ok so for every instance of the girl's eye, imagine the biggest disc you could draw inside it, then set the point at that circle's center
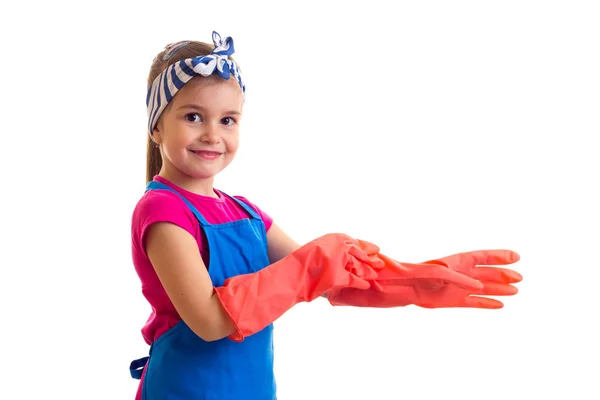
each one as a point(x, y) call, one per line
point(193, 117)
point(228, 121)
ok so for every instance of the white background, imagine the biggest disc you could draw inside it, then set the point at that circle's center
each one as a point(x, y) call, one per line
point(429, 128)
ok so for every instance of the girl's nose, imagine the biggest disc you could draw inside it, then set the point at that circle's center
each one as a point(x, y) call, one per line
point(209, 135)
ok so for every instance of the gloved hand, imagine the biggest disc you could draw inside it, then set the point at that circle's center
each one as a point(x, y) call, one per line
point(470, 264)
point(253, 301)
point(438, 291)
point(329, 263)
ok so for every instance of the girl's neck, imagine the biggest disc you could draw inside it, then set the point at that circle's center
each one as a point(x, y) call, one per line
point(202, 187)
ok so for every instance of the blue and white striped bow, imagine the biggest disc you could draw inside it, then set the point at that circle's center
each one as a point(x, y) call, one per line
point(178, 74)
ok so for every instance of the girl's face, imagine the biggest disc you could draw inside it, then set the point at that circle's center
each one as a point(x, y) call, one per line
point(198, 131)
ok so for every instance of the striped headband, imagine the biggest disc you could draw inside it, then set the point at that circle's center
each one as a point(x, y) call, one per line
point(178, 74)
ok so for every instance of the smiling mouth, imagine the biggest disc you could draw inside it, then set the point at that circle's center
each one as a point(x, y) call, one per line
point(208, 155)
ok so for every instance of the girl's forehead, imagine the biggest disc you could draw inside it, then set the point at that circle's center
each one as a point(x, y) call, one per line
point(212, 88)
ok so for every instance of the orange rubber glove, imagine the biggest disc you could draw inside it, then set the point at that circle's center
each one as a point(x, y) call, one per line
point(472, 264)
point(438, 292)
point(253, 301)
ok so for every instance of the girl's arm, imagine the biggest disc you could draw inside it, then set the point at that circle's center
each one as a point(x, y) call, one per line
point(177, 261)
point(279, 243)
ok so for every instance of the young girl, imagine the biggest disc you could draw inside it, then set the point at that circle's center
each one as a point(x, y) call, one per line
point(218, 271)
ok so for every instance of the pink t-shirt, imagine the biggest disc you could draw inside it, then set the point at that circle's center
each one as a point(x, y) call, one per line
point(164, 206)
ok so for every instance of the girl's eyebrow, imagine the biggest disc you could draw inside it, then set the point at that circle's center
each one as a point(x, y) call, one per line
point(200, 108)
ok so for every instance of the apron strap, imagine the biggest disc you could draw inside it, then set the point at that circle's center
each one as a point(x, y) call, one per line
point(245, 206)
point(136, 368)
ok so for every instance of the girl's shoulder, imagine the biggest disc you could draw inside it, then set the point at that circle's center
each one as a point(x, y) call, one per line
point(159, 202)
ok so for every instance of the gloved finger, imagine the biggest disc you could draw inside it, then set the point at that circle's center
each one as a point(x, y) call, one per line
point(469, 302)
point(463, 261)
point(482, 302)
point(494, 274)
point(362, 265)
point(459, 280)
point(376, 262)
point(368, 247)
point(498, 289)
point(362, 270)
point(361, 255)
point(433, 272)
point(494, 257)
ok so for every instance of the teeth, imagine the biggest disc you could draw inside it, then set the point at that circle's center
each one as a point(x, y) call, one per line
point(210, 153)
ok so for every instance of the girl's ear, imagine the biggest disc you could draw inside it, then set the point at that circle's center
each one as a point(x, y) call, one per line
point(157, 135)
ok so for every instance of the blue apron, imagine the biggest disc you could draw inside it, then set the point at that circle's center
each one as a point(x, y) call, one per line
point(181, 365)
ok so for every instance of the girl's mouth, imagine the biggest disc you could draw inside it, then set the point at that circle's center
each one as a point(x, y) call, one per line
point(207, 155)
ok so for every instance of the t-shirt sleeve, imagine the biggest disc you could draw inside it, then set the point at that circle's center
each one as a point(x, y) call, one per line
point(267, 220)
point(160, 206)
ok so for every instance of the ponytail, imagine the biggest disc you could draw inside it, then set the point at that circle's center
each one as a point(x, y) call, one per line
point(153, 160)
